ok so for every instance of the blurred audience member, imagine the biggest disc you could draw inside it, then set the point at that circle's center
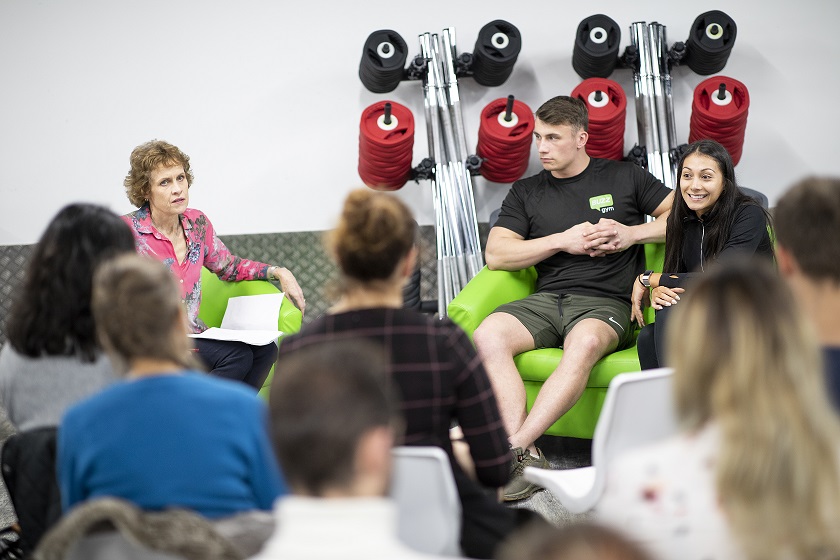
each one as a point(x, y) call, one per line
point(808, 253)
point(440, 378)
point(52, 358)
point(755, 472)
point(167, 435)
point(579, 541)
point(334, 421)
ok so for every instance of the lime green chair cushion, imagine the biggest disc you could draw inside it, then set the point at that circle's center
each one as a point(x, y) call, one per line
point(492, 288)
point(214, 297)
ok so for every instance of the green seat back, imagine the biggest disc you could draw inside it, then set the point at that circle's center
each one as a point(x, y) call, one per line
point(214, 297)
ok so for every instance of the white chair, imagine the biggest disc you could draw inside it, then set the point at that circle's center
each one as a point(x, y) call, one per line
point(638, 409)
point(429, 508)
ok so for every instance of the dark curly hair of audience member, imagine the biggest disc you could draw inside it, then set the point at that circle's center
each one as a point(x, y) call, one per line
point(51, 312)
point(374, 232)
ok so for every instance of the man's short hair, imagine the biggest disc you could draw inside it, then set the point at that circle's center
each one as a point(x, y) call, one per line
point(144, 159)
point(566, 110)
point(324, 398)
point(807, 220)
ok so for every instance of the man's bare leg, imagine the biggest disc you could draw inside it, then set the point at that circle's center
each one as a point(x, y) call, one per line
point(586, 343)
point(498, 339)
point(504, 338)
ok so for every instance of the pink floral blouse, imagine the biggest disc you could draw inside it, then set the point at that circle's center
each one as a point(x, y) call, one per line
point(203, 249)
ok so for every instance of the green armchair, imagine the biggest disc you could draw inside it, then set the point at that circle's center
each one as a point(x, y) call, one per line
point(492, 288)
point(215, 294)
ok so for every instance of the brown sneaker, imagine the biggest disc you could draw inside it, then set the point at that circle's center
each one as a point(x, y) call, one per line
point(517, 487)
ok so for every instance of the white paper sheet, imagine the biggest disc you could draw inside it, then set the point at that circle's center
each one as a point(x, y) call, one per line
point(255, 338)
point(248, 319)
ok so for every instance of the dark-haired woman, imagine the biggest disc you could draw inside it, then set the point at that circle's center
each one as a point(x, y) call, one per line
point(433, 363)
point(711, 220)
point(52, 358)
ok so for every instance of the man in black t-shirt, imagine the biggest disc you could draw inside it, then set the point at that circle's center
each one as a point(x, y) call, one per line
point(580, 223)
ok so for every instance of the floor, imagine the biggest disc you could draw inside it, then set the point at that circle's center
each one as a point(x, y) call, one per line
point(562, 453)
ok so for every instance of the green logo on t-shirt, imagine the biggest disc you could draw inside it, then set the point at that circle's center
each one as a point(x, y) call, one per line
point(602, 202)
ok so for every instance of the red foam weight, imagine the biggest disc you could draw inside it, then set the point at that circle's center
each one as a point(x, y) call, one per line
point(384, 172)
point(383, 182)
point(373, 133)
point(726, 124)
point(706, 108)
point(606, 123)
point(615, 109)
point(490, 126)
point(505, 150)
point(385, 155)
point(402, 147)
point(395, 170)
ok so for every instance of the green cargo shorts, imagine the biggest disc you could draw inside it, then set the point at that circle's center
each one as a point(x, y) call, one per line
point(549, 317)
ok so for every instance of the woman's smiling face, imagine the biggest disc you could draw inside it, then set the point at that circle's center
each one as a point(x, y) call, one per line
point(701, 182)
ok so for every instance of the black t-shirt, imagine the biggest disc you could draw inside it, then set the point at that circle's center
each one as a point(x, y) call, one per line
point(543, 205)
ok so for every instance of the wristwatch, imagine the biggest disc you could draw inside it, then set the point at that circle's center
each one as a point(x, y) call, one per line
point(646, 278)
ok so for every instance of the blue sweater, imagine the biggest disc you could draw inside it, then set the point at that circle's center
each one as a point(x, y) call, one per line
point(189, 440)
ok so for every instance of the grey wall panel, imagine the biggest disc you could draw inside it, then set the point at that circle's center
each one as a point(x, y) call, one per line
point(13, 260)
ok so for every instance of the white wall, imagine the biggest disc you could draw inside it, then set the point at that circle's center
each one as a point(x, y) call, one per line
point(265, 98)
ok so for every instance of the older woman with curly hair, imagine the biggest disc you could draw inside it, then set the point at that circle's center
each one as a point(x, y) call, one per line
point(183, 238)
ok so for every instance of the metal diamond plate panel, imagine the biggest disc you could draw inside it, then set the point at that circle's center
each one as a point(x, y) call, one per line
point(428, 264)
point(428, 259)
point(301, 252)
point(12, 264)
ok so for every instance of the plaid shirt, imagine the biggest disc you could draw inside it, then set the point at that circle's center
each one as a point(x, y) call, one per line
point(203, 249)
point(439, 376)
